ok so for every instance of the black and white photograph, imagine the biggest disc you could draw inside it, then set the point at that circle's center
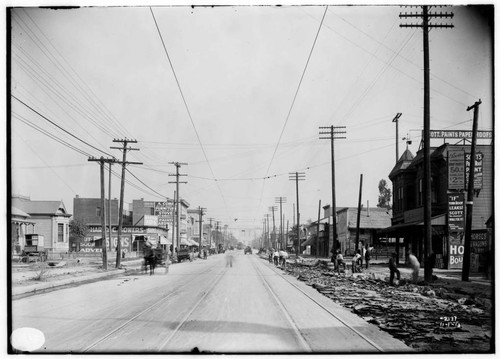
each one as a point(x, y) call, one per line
point(254, 178)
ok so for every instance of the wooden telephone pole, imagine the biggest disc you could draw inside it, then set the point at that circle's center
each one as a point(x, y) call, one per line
point(122, 192)
point(333, 134)
point(425, 25)
point(102, 161)
point(470, 195)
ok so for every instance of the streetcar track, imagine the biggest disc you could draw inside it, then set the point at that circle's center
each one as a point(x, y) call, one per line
point(149, 308)
point(195, 306)
point(358, 333)
point(296, 330)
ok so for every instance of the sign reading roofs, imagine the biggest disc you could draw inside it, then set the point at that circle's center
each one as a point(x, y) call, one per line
point(459, 134)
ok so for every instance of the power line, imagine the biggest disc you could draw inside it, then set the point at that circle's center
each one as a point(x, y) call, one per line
point(297, 90)
point(56, 125)
point(185, 103)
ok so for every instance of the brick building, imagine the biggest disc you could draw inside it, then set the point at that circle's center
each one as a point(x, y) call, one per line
point(449, 175)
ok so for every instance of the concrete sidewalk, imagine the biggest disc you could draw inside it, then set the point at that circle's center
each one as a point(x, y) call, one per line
point(81, 274)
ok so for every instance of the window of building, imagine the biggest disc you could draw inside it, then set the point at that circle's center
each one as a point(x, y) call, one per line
point(434, 190)
point(60, 232)
point(420, 193)
point(400, 199)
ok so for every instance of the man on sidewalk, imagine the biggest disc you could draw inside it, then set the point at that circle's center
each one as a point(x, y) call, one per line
point(393, 268)
point(415, 266)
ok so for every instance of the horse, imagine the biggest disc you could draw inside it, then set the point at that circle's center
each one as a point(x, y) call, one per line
point(282, 257)
point(149, 260)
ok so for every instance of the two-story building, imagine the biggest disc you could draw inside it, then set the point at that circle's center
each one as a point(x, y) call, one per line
point(449, 176)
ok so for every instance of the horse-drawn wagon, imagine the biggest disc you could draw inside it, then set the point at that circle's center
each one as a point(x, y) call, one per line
point(34, 250)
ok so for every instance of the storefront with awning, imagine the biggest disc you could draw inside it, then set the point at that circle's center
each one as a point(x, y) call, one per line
point(412, 233)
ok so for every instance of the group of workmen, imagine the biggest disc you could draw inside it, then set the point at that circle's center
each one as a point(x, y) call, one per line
point(357, 263)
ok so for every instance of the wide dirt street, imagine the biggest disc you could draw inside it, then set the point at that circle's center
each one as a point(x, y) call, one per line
point(204, 305)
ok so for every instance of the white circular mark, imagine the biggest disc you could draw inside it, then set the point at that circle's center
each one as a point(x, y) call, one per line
point(27, 339)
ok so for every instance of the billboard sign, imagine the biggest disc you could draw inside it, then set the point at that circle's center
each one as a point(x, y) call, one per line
point(456, 169)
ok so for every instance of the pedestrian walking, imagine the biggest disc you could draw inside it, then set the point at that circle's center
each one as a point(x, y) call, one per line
point(229, 258)
point(167, 259)
point(367, 257)
point(393, 268)
point(340, 261)
point(355, 262)
point(415, 266)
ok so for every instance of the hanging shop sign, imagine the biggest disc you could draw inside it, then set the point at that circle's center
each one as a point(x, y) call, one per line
point(456, 212)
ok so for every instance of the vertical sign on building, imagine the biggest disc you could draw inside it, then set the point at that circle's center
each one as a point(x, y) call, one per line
point(164, 212)
point(456, 212)
point(478, 171)
point(456, 254)
point(456, 170)
point(456, 222)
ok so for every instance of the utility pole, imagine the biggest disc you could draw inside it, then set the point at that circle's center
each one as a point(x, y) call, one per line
point(281, 200)
point(425, 25)
point(200, 211)
point(109, 208)
point(174, 246)
point(396, 119)
point(470, 195)
point(217, 236)
point(267, 232)
point(297, 176)
point(334, 133)
point(317, 229)
point(122, 191)
point(176, 203)
point(359, 211)
point(104, 247)
point(210, 235)
point(274, 229)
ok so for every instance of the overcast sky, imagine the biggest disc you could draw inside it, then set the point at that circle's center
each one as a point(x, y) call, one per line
point(238, 93)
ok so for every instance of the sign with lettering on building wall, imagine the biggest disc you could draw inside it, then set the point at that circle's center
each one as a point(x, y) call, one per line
point(456, 251)
point(459, 134)
point(164, 212)
point(456, 212)
point(478, 170)
point(479, 242)
point(456, 169)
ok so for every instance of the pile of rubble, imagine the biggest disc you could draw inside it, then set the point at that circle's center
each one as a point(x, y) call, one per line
point(445, 316)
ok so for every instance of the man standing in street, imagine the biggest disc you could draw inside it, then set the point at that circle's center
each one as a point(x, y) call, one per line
point(393, 268)
point(415, 266)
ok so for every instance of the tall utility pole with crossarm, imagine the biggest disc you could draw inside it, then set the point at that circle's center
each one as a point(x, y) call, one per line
point(333, 133)
point(297, 176)
point(124, 163)
point(176, 203)
point(425, 15)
